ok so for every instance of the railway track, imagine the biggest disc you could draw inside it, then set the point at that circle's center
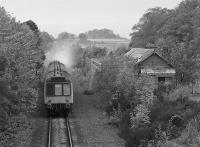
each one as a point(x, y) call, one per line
point(69, 134)
point(59, 132)
point(49, 131)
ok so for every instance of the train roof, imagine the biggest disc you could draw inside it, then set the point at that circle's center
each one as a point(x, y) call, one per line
point(56, 69)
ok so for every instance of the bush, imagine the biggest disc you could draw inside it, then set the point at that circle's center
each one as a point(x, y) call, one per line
point(29, 98)
point(104, 80)
point(190, 135)
point(134, 137)
point(97, 52)
point(180, 94)
point(80, 82)
point(88, 92)
point(141, 108)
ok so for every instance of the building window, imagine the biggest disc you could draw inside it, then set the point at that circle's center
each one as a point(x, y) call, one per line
point(161, 79)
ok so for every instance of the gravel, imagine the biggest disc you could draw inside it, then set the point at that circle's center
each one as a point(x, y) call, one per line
point(59, 137)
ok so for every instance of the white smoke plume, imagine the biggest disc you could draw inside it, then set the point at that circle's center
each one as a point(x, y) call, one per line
point(61, 51)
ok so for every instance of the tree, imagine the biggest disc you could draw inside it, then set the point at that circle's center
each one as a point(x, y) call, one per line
point(82, 36)
point(32, 25)
point(20, 54)
point(65, 35)
point(96, 52)
point(146, 31)
point(46, 40)
point(174, 34)
point(121, 51)
point(46, 37)
point(101, 34)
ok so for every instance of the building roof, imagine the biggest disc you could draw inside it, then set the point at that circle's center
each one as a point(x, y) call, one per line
point(141, 54)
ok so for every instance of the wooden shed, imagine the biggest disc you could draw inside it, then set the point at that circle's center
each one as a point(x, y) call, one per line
point(149, 62)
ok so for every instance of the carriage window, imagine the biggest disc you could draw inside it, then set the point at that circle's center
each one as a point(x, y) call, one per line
point(58, 89)
point(66, 89)
point(50, 89)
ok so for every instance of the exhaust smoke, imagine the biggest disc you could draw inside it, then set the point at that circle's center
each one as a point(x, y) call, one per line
point(61, 51)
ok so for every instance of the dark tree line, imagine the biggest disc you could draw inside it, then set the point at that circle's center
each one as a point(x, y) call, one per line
point(101, 34)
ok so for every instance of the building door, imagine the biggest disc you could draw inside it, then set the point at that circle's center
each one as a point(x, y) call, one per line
point(161, 79)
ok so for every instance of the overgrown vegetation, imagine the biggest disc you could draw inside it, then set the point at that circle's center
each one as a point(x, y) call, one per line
point(145, 115)
point(21, 65)
point(175, 34)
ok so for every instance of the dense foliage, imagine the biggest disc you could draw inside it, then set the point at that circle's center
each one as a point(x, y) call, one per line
point(21, 64)
point(96, 52)
point(175, 34)
point(128, 97)
point(46, 40)
point(144, 114)
point(82, 36)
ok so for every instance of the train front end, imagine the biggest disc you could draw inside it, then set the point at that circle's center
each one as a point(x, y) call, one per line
point(58, 88)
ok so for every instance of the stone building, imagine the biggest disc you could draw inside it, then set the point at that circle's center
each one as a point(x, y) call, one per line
point(149, 62)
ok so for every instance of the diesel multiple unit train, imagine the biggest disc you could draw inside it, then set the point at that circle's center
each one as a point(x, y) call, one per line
point(58, 88)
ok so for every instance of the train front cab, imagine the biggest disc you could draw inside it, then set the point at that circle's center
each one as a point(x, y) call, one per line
point(59, 95)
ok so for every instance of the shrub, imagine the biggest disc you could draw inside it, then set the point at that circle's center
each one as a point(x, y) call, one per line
point(97, 52)
point(190, 135)
point(104, 80)
point(163, 111)
point(180, 94)
point(116, 115)
point(29, 97)
point(140, 117)
point(88, 92)
point(134, 136)
point(80, 82)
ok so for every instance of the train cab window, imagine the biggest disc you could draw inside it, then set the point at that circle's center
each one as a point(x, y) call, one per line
point(66, 89)
point(58, 89)
point(50, 89)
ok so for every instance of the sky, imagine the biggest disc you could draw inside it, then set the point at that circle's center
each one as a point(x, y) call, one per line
point(79, 16)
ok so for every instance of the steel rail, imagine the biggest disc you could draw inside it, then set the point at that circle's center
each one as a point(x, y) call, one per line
point(49, 132)
point(69, 134)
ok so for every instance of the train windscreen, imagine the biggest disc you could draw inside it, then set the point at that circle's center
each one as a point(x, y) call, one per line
point(58, 89)
point(66, 89)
